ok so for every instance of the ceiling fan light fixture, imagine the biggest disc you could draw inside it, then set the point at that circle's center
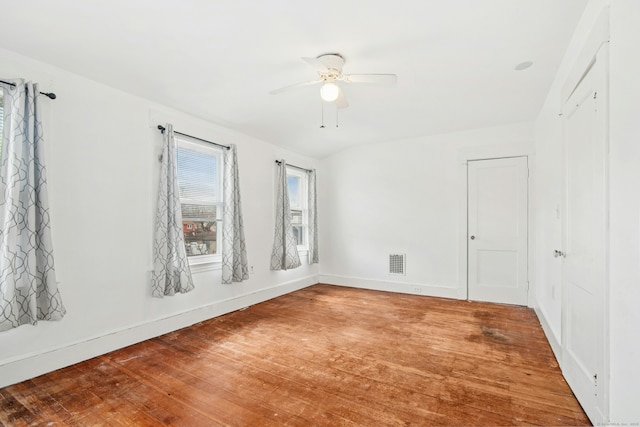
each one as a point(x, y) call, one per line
point(329, 92)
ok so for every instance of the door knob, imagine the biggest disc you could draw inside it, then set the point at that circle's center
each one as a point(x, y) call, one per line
point(557, 253)
point(473, 237)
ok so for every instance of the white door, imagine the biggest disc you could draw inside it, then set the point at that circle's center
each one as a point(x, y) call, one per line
point(585, 242)
point(497, 230)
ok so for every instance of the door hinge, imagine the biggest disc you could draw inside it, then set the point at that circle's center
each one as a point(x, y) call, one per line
point(595, 95)
point(595, 384)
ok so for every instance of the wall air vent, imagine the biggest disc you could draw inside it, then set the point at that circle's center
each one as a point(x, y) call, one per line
point(397, 264)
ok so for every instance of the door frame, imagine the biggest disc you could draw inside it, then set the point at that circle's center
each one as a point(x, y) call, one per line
point(499, 151)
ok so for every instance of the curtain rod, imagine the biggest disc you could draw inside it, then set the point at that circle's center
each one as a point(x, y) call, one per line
point(50, 95)
point(296, 167)
point(162, 129)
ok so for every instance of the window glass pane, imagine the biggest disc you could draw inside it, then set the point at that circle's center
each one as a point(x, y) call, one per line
point(298, 233)
point(200, 233)
point(293, 184)
point(1, 122)
point(296, 186)
point(198, 183)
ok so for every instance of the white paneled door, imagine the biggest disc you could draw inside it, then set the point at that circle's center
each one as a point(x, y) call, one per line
point(497, 230)
point(585, 242)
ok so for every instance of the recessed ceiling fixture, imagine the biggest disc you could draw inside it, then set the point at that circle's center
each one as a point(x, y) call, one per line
point(329, 68)
point(523, 65)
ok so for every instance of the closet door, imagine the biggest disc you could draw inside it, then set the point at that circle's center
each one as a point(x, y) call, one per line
point(585, 241)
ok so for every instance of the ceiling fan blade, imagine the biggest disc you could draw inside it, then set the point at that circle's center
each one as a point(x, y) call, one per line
point(341, 101)
point(378, 79)
point(316, 64)
point(294, 86)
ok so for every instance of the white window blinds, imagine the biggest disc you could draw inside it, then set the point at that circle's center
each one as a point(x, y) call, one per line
point(198, 177)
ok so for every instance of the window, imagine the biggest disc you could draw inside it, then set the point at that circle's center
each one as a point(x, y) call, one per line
point(200, 183)
point(297, 186)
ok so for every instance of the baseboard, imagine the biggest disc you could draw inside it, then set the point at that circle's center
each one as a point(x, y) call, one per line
point(551, 337)
point(33, 365)
point(392, 286)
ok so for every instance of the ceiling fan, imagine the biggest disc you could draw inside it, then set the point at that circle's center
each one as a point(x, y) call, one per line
point(329, 68)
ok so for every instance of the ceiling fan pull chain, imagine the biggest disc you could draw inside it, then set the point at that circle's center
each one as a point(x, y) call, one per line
point(322, 114)
point(337, 117)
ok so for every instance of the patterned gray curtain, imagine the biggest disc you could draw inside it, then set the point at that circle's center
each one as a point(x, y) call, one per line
point(284, 255)
point(28, 288)
point(171, 272)
point(235, 267)
point(312, 204)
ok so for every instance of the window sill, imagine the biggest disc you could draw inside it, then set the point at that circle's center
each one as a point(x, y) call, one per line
point(201, 264)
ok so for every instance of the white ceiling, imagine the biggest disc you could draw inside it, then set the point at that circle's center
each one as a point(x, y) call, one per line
point(219, 59)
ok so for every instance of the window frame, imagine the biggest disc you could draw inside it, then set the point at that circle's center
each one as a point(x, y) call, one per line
point(212, 150)
point(303, 206)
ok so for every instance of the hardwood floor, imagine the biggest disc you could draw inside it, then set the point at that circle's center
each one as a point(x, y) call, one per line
point(322, 356)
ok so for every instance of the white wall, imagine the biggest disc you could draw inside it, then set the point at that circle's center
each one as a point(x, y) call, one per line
point(101, 152)
point(624, 295)
point(624, 273)
point(404, 197)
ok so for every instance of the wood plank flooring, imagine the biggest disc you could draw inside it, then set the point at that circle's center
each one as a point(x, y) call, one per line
point(322, 356)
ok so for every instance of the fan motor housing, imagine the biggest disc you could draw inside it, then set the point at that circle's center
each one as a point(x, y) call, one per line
point(333, 61)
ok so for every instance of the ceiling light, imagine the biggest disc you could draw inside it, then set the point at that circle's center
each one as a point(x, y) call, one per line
point(329, 92)
point(523, 65)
